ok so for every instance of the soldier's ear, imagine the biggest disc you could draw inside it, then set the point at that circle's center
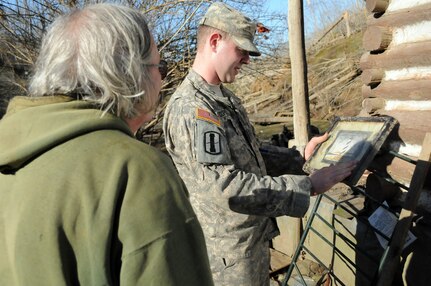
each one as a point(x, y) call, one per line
point(214, 40)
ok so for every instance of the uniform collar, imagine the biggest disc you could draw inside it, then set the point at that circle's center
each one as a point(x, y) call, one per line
point(200, 84)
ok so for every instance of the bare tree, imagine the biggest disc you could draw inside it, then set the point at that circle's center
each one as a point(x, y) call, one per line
point(173, 23)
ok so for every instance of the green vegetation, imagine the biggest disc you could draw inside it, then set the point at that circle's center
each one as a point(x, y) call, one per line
point(342, 48)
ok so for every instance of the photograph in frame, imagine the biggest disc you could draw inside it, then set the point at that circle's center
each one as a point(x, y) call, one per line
point(351, 139)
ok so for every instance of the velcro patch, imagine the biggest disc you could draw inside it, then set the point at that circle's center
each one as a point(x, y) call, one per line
point(205, 115)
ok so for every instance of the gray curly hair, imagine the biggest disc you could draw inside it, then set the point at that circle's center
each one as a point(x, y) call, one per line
point(99, 54)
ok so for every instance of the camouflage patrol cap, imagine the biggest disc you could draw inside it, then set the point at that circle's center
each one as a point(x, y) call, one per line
point(241, 28)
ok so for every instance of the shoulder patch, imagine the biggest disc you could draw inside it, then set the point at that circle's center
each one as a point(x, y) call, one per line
point(205, 115)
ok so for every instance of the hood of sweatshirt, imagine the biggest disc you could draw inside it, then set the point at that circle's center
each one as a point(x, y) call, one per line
point(34, 125)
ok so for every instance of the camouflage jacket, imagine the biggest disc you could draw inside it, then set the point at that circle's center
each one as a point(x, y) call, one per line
point(216, 152)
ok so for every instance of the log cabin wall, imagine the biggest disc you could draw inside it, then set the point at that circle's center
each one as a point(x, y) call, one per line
point(396, 74)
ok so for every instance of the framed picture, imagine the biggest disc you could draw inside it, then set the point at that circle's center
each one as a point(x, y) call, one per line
point(351, 138)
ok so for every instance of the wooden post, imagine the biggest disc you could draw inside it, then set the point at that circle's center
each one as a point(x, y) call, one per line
point(290, 227)
point(346, 19)
point(301, 111)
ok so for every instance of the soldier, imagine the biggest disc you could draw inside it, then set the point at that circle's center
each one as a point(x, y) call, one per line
point(214, 148)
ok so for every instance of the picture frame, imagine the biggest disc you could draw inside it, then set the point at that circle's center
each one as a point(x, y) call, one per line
point(351, 138)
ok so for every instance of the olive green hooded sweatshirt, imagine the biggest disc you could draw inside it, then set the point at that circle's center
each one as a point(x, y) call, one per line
point(82, 202)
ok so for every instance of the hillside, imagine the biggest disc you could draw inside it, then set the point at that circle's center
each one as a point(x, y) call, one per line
point(333, 81)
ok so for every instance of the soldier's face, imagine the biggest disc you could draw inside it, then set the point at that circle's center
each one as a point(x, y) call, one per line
point(230, 60)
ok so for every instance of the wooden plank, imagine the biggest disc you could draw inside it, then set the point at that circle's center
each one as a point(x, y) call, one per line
point(401, 56)
point(392, 255)
point(412, 89)
point(250, 96)
point(279, 260)
point(261, 99)
point(277, 119)
point(288, 232)
point(402, 17)
point(328, 30)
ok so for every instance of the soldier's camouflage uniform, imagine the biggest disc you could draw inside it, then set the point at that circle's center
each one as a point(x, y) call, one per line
point(213, 146)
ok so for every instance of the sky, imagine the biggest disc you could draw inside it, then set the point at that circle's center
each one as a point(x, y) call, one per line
point(277, 5)
point(317, 13)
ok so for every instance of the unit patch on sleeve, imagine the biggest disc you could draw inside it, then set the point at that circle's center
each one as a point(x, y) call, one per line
point(210, 141)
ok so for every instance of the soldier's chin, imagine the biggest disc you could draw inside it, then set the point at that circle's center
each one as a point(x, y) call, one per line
point(229, 79)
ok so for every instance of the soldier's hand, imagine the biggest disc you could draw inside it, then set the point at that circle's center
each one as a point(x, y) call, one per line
point(311, 145)
point(325, 178)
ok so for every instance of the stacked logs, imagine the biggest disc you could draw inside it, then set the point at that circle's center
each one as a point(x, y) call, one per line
point(396, 73)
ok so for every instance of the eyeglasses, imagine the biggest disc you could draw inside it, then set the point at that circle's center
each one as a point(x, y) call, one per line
point(162, 66)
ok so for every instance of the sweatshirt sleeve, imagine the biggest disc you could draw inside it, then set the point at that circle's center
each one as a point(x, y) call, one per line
point(162, 241)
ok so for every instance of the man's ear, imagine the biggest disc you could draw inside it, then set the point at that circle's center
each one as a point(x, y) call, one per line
point(214, 40)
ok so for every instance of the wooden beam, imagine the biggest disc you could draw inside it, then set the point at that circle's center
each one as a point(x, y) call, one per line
point(378, 6)
point(371, 105)
point(261, 99)
point(372, 76)
point(377, 38)
point(275, 119)
point(401, 56)
point(402, 17)
point(412, 89)
point(327, 31)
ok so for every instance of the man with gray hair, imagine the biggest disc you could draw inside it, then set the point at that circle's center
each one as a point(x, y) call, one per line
point(216, 152)
point(82, 202)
